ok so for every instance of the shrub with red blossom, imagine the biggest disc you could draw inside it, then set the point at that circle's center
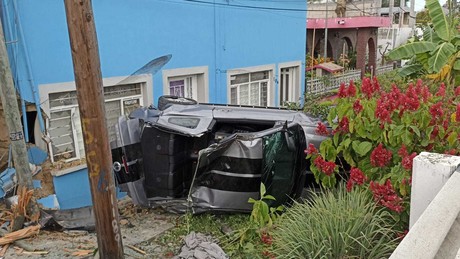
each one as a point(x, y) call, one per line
point(321, 129)
point(356, 177)
point(380, 156)
point(385, 195)
point(379, 130)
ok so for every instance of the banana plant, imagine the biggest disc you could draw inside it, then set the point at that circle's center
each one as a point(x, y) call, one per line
point(437, 55)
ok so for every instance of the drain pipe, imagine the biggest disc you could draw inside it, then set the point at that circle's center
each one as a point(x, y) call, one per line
point(29, 70)
point(9, 32)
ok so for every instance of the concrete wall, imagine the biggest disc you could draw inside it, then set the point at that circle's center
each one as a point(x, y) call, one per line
point(435, 210)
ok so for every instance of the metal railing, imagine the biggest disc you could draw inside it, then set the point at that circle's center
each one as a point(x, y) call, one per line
point(329, 83)
point(383, 69)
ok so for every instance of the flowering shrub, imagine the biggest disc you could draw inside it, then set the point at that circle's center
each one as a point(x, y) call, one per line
point(377, 133)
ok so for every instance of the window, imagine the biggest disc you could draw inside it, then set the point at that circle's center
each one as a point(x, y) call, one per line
point(187, 82)
point(289, 82)
point(250, 88)
point(184, 86)
point(63, 123)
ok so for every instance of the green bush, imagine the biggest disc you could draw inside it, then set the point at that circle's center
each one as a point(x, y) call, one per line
point(335, 224)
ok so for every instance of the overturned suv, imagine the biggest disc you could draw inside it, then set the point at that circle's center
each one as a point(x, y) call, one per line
point(202, 157)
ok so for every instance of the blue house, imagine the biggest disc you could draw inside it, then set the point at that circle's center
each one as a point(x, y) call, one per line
point(221, 51)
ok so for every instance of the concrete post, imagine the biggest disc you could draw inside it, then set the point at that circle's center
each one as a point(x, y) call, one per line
point(430, 172)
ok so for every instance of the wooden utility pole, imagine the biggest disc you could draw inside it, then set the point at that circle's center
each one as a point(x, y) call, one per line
point(88, 79)
point(13, 118)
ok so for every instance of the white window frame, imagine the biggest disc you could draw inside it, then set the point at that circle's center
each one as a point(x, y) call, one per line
point(294, 89)
point(146, 97)
point(271, 83)
point(199, 73)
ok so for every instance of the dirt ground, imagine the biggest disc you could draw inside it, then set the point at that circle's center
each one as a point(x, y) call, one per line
point(139, 227)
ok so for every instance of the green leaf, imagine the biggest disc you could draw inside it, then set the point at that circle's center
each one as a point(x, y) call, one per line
point(410, 70)
point(457, 64)
point(416, 130)
point(328, 150)
point(262, 190)
point(349, 158)
point(347, 142)
point(409, 50)
point(440, 23)
point(430, 35)
point(452, 138)
point(398, 131)
point(440, 56)
point(362, 148)
point(269, 197)
point(251, 200)
point(336, 139)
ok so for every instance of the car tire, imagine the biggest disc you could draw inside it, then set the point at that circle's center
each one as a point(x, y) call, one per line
point(166, 100)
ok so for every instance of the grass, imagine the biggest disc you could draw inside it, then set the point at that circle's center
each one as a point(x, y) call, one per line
point(335, 224)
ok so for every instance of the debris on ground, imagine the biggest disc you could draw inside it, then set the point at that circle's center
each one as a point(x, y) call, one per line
point(19, 234)
point(200, 246)
point(139, 227)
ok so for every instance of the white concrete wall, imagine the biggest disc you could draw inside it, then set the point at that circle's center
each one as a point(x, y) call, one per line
point(435, 209)
point(430, 172)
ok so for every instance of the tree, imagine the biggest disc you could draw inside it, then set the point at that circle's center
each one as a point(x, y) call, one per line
point(423, 17)
point(437, 55)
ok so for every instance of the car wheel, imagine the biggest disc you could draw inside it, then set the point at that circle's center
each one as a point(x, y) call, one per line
point(166, 100)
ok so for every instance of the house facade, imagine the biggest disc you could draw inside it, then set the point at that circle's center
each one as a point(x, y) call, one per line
point(220, 51)
point(367, 29)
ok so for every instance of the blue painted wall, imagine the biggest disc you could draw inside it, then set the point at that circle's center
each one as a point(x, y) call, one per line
point(131, 33)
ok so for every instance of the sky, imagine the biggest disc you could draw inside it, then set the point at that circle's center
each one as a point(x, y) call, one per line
point(419, 4)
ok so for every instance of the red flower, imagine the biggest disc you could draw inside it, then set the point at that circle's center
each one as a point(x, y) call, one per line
point(311, 149)
point(435, 132)
point(451, 152)
point(385, 195)
point(457, 91)
point(380, 156)
point(324, 166)
point(402, 152)
point(408, 160)
point(343, 126)
point(425, 94)
point(356, 177)
point(436, 112)
point(266, 238)
point(441, 90)
point(342, 91)
point(321, 129)
point(357, 107)
point(367, 88)
point(411, 101)
point(383, 111)
point(351, 89)
point(376, 84)
point(457, 113)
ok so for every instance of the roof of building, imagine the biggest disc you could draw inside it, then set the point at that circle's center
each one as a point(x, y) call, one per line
point(329, 67)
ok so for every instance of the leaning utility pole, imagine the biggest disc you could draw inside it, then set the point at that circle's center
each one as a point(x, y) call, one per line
point(13, 118)
point(88, 79)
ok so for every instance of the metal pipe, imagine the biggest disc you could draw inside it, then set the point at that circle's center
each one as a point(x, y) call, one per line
point(325, 33)
point(29, 70)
